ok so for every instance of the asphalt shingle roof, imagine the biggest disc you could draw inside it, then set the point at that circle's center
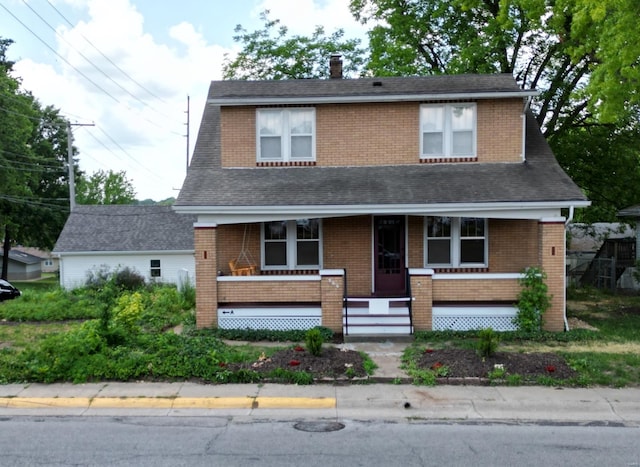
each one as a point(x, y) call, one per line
point(304, 88)
point(539, 179)
point(126, 228)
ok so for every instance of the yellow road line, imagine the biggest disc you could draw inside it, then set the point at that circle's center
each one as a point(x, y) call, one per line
point(169, 403)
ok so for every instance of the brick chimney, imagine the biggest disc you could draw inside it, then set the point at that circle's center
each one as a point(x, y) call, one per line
point(335, 66)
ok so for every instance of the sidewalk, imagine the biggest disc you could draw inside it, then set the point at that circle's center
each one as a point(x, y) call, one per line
point(354, 402)
point(373, 401)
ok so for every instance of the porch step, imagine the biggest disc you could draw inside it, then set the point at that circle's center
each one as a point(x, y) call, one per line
point(398, 338)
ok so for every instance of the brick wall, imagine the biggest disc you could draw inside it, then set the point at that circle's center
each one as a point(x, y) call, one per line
point(376, 134)
point(332, 293)
point(347, 244)
point(475, 290)
point(552, 260)
point(415, 247)
point(500, 130)
point(277, 291)
point(513, 244)
point(422, 306)
point(206, 272)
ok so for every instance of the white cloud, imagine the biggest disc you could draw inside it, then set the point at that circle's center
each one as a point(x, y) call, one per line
point(145, 140)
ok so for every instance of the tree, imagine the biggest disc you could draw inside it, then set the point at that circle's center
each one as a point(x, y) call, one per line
point(269, 54)
point(33, 184)
point(105, 188)
point(581, 54)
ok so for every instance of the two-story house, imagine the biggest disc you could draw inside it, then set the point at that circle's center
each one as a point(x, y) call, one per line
point(378, 205)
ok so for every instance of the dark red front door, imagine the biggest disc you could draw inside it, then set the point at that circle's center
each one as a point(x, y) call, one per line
point(389, 264)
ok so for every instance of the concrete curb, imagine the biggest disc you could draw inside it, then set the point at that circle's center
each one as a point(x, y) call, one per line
point(168, 403)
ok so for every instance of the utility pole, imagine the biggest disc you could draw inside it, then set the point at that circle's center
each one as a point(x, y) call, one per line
point(72, 176)
point(187, 135)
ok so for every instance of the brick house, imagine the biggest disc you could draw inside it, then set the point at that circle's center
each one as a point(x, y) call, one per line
point(371, 206)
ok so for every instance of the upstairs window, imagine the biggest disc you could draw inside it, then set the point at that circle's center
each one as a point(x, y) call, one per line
point(291, 244)
point(456, 241)
point(286, 135)
point(448, 130)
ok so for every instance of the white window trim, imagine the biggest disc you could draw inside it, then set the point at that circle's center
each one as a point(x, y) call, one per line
point(447, 131)
point(285, 135)
point(455, 246)
point(292, 242)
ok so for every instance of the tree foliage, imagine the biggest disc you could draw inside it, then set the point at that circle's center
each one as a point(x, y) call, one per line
point(105, 187)
point(582, 55)
point(33, 179)
point(270, 53)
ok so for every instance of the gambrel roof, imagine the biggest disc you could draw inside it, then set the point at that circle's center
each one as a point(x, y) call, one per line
point(125, 228)
point(209, 188)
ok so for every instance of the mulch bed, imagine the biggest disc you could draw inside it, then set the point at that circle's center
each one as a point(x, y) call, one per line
point(466, 363)
point(463, 365)
point(332, 363)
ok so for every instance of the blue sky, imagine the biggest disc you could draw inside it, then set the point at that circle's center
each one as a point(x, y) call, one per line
point(167, 49)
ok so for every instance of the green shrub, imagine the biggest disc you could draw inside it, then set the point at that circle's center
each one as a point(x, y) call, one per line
point(533, 300)
point(188, 294)
point(254, 335)
point(128, 279)
point(128, 311)
point(313, 341)
point(488, 341)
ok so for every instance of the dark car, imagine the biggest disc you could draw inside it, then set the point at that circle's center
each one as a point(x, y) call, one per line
point(7, 291)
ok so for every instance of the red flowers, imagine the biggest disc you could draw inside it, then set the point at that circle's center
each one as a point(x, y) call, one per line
point(436, 365)
point(294, 363)
point(222, 364)
point(428, 350)
point(551, 368)
point(298, 348)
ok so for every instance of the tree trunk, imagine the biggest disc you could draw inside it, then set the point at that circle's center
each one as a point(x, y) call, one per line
point(6, 246)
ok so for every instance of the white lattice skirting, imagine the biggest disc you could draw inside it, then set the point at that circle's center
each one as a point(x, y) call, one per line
point(467, 319)
point(275, 319)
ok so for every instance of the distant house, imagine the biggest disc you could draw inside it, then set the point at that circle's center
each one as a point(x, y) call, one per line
point(49, 263)
point(22, 266)
point(153, 240)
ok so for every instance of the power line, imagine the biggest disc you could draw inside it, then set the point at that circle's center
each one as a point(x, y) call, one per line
point(60, 56)
point(87, 59)
point(16, 200)
point(106, 57)
point(84, 75)
point(128, 155)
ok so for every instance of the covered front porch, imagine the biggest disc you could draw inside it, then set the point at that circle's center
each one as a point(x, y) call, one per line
point(306, 301)
point(373, 274)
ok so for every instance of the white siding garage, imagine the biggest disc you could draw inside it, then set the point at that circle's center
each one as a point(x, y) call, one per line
point(155, 241)
point(174, 267)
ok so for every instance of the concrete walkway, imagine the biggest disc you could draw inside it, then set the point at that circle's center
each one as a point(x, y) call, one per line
point(366, 401)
